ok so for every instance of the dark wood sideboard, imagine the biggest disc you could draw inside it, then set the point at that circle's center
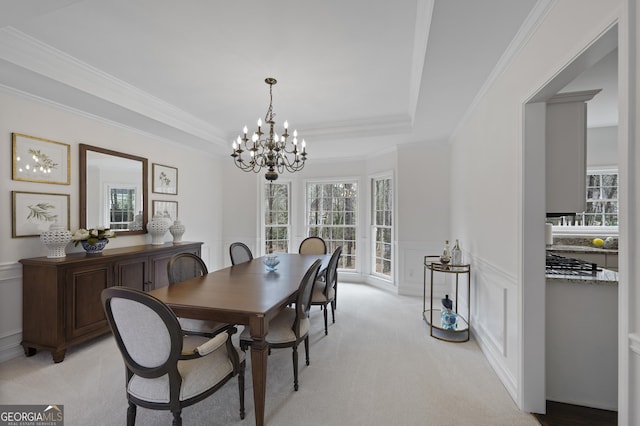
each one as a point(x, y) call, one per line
point(61, 304)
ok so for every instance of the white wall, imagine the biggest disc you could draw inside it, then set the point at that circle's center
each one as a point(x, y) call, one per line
point(487, 178)
point(602, 147)
point(423, 219)
point(629, 158)
point(199, 180)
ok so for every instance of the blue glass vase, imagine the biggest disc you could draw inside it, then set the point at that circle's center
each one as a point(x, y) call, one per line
point(449, 319)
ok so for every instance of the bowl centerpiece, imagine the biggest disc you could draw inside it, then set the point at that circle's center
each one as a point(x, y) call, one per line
point(271, 262)
point(93, 240)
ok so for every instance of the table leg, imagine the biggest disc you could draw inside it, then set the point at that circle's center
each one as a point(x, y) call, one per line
point(259, 356)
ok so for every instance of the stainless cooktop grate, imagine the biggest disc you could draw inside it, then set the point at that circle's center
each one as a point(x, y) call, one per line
point(560, 265)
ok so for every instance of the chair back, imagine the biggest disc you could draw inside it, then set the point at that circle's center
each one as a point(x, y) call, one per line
point(305, 290)
point(332, 269)
point(184, 266)
point(313, 245)
point(146, 331)
point(239, 253)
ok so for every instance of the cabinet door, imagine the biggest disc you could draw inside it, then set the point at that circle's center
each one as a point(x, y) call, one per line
point(84, 312)
point(612, 262)
point(133, 273)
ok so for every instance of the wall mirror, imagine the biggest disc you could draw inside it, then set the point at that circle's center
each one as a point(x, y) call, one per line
point(113, 190)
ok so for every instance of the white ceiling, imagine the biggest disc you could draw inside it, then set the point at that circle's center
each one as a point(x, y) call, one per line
point(354, 76)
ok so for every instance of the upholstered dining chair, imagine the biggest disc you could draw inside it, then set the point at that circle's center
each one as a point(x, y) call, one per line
point(291, 325)
point(166, 370)
point(239, 253)
point(324, 291)
point(184, 266)
point(313, 245)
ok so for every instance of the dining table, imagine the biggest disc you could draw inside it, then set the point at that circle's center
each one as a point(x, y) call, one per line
point(247, 294)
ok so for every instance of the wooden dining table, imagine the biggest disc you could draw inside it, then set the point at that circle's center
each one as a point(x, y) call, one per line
point(245, 294)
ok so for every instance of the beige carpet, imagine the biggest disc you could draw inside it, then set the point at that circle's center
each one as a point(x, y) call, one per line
point(377, 366)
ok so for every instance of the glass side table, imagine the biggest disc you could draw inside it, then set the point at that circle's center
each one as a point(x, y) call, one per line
point(439, 329)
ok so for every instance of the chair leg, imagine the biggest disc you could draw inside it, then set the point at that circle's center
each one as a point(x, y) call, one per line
point(326, 328)
point(241, 387)
point(131, 414)
point(333, 310)
point(306, 348)
point(295, 367)
point(177, 418)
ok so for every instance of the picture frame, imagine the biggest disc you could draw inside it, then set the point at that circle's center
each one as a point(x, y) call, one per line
point(165, 179)
point(40, 160)
point(34, 212)
point(165, 208)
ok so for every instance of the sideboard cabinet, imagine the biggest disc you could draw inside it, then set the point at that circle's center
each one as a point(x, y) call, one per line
point(61, 304)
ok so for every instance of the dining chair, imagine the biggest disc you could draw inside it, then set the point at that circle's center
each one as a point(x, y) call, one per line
point(313, 245)
point(239, 253)
point(324, 291)
point(166, 370)
point(291, 325)
point(184, 266)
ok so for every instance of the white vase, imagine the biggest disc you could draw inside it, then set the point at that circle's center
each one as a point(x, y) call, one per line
point(56, 239)
point(158, 227)
point(177, 230)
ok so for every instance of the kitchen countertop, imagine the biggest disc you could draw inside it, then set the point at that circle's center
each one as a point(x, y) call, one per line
point(580, 249)
point(604, 276)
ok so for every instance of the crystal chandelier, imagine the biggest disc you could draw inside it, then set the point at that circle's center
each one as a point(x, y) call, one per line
point(270, 151)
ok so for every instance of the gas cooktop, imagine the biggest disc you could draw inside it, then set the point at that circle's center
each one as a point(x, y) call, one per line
point(559, 265)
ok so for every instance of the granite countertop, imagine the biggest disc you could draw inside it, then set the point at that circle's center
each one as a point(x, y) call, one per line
point(604, 276)
point(580, 249)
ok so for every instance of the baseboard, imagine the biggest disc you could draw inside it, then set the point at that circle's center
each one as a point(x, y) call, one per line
point(494, 357)
point(10, 346)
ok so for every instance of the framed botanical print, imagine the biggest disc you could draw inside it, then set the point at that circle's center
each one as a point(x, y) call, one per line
point(167, 209)
point(34, 212)
point(165, 179)
point(41, 160)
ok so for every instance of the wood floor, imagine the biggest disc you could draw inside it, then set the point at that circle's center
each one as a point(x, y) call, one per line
point(559, 414)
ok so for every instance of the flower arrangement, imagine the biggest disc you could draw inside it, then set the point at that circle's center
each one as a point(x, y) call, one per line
point(92, 236)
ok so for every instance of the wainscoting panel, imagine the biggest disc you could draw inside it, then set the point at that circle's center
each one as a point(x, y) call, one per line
point(10, 310)
point(494, 319)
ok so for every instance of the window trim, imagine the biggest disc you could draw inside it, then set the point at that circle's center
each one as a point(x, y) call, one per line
point(373, 226)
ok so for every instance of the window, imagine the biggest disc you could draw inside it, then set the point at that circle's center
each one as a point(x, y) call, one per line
point(602, 202)
point(331, 215)
point(382, 221)
point(276, 217)
point(122, 206)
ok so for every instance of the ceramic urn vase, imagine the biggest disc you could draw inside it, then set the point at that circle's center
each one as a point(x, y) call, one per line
point(158, 227)
point(177, 230)
point(56, 239)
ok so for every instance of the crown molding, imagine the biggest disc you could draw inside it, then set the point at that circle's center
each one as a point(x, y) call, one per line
point(527, 29)
point(27, 52)
point(191, 143)
point(424, 15)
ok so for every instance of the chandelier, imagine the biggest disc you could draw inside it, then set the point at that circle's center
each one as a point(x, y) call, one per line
point(268, 150)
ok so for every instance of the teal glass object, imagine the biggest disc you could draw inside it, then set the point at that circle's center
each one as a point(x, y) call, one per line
point(271, 262)
point(449, 319)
